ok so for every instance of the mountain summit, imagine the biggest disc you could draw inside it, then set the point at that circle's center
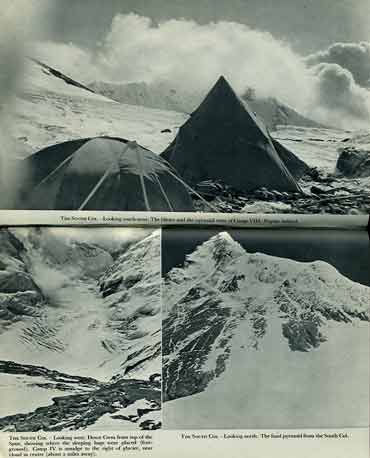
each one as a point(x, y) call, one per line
point(224, 140)
point(243, 332)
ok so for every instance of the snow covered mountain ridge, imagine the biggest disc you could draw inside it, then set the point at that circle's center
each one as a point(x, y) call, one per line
point(80, 334)
point(162, 95)
point(224, 294)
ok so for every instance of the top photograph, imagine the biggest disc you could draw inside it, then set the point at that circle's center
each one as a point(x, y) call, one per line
point(238, 106)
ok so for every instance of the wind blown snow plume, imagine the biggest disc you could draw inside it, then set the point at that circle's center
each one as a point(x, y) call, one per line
point(190, 57)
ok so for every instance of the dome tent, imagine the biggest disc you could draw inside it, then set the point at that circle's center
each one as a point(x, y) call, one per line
point(102, 173)
point(224, 140)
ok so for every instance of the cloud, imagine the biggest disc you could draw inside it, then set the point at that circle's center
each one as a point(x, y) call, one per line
point(111, 240)
point(194, 55)
point(67, 57)
point(191, 56)
point(338, 96)
point(354, 57)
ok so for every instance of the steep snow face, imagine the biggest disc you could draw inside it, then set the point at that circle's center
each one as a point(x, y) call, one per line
point(201, 271)
point(91, 315)
point(253, 333)
point(48, 111)
point(131, 288)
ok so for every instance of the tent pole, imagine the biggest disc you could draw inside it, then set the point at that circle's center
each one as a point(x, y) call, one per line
point(194, 192)
point(54, 171)
point(164, 194)
point(145, 195)
point(100, 182)
point(96, 187)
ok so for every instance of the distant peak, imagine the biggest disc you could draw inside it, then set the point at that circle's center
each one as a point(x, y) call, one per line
point(223, 236)
point(222, 244)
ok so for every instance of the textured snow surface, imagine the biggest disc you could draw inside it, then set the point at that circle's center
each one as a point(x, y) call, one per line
point(20, 394)
point(79, 330)
point(252, 340)
point(48, 111)
point(93, 329)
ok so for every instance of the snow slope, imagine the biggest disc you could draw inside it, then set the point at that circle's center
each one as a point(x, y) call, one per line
point(48, 110)
point(78, 329)
point(317, 147)
point(251, 340)
point(165, 96)
point(88, 328)
point(131, 287)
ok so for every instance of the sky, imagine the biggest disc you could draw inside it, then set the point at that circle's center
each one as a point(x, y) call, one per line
point(308, 25)
point(313, 55)
point(336, 247)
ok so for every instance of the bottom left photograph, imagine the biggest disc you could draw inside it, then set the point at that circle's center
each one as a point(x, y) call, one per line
point(80, 329)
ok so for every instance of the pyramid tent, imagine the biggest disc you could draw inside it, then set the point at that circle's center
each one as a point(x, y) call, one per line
point(102, 173)
point(224, 140)
point(296, 166)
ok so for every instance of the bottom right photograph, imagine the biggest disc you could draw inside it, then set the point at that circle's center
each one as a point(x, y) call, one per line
point(265, 328)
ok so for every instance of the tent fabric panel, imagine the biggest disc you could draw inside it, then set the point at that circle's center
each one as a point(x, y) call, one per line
point(158, 181)
point(43, 162)
point(75, 189)
point(177, 193)
point(295, 165)
point(105, 174)
point(241, 164)
point(43, 196)
point(224, 140)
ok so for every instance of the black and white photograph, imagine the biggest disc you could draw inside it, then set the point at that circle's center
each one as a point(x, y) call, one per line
point(265, 329)
point(80, 329)
point(241, 106)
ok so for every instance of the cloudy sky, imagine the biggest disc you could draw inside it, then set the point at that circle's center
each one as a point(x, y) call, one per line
point(308, 25)
point(313, 55)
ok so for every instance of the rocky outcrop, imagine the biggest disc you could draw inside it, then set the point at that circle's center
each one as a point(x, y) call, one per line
point(15, 305)
point(11, 367)
point(354, 162)
point(19, 294)
point(199, 329)
point(131, 288)
point(82, 410)
point(16, 281)
point(10, 245)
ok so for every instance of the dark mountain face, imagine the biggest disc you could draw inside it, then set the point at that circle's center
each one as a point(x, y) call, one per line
point(224, 140)
point(225, 305)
